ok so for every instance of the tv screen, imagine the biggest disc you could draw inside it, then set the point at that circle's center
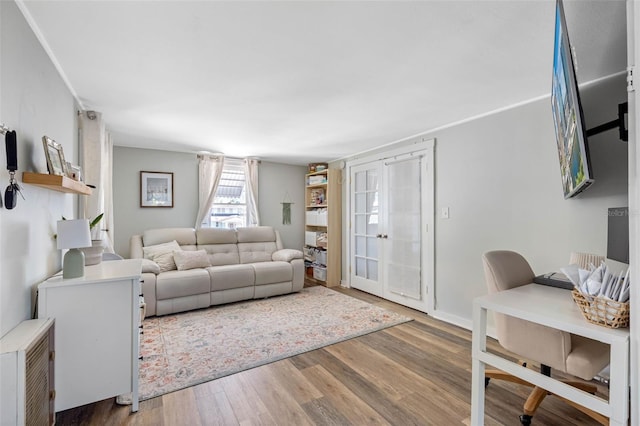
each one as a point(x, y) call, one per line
point(571, 136)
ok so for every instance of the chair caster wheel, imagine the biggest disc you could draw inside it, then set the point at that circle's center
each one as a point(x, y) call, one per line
point(486, 381)
point(525, 419)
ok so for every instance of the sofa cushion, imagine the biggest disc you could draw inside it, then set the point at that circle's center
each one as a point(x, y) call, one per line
point(162, 254)
point(256, 252)
point(256, 234)
point(222, 254)
point(231, 276)
point(216, 236)
point(183, 236)
point(174, 284)
point(272, 272)
point(186, 260)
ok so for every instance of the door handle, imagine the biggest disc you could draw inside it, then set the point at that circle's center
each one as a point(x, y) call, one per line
point(385, 236)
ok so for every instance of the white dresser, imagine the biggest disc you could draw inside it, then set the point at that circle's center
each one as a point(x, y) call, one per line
point(97, 332)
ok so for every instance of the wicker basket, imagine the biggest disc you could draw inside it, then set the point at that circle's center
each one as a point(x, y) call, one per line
point(602, 311)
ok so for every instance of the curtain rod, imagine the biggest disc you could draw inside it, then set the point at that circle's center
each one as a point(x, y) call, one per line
point(227, 157)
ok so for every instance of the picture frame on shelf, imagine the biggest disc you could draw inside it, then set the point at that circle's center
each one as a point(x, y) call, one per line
point(56, 164)
point(74, 172)
point(156, 189)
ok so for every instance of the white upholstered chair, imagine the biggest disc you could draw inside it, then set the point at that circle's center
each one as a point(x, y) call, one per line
point(549, 347)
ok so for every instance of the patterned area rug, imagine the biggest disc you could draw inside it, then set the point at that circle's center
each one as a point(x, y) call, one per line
point(186, 349)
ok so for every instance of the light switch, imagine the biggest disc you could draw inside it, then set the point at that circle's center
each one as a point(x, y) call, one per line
point(445, 213)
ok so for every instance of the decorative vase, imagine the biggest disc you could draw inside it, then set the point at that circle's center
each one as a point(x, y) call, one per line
point(93, 254)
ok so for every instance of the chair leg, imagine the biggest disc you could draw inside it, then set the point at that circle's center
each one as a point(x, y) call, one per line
point(531, 404)
point(534, 400)
point(501, 375)
point(587, 387)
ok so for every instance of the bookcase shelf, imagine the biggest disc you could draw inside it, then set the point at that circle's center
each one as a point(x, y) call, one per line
point(323, 217)
point(56, 183)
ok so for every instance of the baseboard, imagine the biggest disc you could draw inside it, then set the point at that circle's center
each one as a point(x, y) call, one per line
point(453, 319)
point(461, 322)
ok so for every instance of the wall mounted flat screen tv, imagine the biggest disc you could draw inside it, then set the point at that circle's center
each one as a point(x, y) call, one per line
point(571, 136)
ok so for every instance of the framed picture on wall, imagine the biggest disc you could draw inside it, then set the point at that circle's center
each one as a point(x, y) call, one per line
point(156, 189)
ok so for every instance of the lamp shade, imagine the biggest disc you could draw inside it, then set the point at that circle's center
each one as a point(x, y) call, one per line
point(73, 234)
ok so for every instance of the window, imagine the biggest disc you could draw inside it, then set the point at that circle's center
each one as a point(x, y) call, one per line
point(229, 208)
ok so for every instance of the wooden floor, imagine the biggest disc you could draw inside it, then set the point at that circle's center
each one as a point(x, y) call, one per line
point(417, 373)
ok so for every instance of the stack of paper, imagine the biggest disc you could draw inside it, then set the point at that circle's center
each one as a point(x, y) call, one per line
point(599, 282)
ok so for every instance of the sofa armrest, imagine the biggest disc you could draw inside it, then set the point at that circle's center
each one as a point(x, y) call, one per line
point(149, 293)
point(149, 266)
point(135, 247)
point(286, 255)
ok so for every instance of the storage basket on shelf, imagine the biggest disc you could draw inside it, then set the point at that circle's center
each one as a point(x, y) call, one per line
point(602, 311)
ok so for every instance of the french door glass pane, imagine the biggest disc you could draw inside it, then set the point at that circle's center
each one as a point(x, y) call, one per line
point(361, 203)
point(372, 224)
point(372, 270)
point(361, 247)
point(372, 247)
point(361, 267)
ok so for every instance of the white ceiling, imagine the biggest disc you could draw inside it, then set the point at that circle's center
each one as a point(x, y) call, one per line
point(301, 81)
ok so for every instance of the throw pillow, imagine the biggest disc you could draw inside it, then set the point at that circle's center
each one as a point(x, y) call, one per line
point(165, 261)
point(191, 259)
point(162, 254)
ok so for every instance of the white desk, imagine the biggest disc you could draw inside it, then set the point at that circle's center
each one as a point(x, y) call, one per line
point(555, 308)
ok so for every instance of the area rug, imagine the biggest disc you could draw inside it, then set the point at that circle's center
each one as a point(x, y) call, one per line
point(186, 349)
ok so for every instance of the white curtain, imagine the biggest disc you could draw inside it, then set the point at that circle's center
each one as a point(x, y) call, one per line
point(96, 149)
point(251, 179)
point(107, 219)
point(209, 172)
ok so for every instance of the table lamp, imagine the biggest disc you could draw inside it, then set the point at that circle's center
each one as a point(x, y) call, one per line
point(72, 235)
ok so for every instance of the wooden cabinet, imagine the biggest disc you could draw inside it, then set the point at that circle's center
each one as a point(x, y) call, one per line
point(97, 332)
point(323, 228)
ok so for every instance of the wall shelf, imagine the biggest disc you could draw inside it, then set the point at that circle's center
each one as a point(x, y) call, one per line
point(56, 183)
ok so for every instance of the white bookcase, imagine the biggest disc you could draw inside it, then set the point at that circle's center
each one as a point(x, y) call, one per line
point(97, 332)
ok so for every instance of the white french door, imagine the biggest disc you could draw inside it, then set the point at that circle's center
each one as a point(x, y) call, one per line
point(391, 244)
point(365, 234)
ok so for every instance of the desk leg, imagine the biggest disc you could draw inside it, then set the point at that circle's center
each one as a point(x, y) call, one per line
point(478, 345)
point(619, 383)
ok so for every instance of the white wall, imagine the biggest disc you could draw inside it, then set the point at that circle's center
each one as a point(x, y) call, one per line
point(500, 178)
point(34, 102)
point(129, 218)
